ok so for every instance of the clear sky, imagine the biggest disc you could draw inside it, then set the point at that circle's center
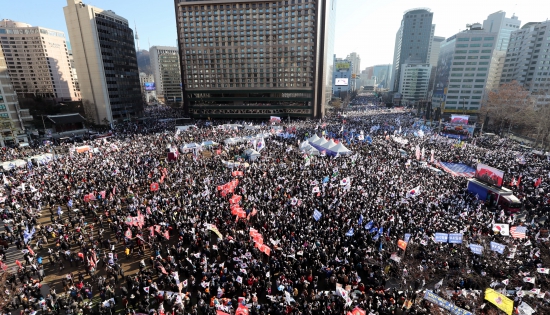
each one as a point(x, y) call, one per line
point(364, 26)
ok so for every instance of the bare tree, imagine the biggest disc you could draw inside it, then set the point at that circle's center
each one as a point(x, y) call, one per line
point(6, 293)
point(89, 111)
point(511, 106)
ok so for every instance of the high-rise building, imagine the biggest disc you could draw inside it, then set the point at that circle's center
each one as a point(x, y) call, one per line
point(383, 75)
point(414, 80)
point(413, 41)
point(105, 58)
point(147, 84)
point(256, 58)
point(38, 61)
point(528, 60)
point(342, 77)
point(355, 62)
point(166, 70)
point(434, 56)
point(11, 116)
point(498, 23)
point(462, 70)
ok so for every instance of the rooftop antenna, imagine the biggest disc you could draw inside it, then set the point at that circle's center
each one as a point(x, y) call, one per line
point(137, 37)
point(148, 42)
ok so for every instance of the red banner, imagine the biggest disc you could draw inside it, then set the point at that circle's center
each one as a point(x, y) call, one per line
point(489, 175)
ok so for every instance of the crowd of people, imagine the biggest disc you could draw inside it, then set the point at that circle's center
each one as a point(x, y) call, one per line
point(121, 227)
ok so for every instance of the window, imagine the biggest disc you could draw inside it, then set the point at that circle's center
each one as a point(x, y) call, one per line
point(484, 57)
point(486, 51)
point(456, 63)
point(489, 38)
point(475, 45)
point(458, 69)
point(476, 39)
point(461, 45)
point(461, 52)
point(474, 51)
point(488, 45)
point(464, 39)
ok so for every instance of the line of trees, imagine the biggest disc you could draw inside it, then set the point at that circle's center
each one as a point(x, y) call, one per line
point(512, 108)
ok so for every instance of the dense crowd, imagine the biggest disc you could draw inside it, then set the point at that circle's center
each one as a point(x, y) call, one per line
point(121, 227)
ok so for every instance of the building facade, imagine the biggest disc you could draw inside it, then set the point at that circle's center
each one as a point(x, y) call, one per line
point(413, 41)
point(343, 70)
point(434, 56)
point(528, 60)
point(501, 25)
point(256, 58)
point(414, 82)
point(105, 58)
point(382, 73)
point(12, 118)
point(462, 70)
point(166, 70)
point(148, 88)
point(355, 62)
point(38, 61)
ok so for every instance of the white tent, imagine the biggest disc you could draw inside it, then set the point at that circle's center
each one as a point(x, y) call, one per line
point(190, 146)
point(252, 154)
point(329, 144)
point(264, 135)
point(230, 141)
point(313, 139)
point(340, 149)
point(311, 150)
point(320, 142)
point(305, 145)
point(209, 143)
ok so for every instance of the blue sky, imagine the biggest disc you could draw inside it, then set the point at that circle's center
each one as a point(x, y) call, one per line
point(365, 26)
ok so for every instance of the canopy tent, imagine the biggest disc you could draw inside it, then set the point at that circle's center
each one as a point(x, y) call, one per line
point(340, 149)
point(250, 127)
point(252, 154)
point(313, 139)
point(329, 144)
point(312, 151)
point(185, 128)
point(209, 143)
point(320, 142)
point(230, 141)
point(13, 164)
point(190, 146)
point(82, 149)
point(305, 145)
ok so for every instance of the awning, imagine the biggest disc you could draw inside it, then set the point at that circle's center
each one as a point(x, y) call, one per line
point(66, 119)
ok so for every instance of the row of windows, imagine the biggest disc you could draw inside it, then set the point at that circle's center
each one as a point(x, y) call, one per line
point(471, 57)
point(475, 45)
point(466, 86)
point(475, 51)
point(248, 85)
point(469, 69)
point(464, 92)
point(244, 5)
point(473, 39)
point(467, 80)
point(470, 63)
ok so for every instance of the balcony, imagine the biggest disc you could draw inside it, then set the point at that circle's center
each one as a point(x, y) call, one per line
point(25, 115)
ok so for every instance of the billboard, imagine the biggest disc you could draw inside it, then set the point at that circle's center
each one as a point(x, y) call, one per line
point(341, 82)
point(343, 65)
point(459, 119)
point(489, 175)
point(149, 86)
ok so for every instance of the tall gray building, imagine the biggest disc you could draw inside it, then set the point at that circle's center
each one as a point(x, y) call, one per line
point(528, 60)
point(501, 25)
point(104, 54)
point(413, 40)
point(256, 58)
point(383, 75)
point(166, 70)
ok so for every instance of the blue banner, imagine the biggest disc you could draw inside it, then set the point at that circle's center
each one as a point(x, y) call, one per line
point(476, 249)
point(407, 237)
point(441, 237)
point(369, 225)
point(436, 299)
point(455, 238)
point(496, 247)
